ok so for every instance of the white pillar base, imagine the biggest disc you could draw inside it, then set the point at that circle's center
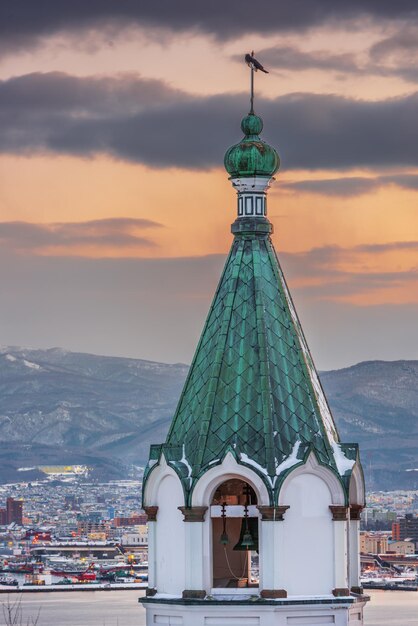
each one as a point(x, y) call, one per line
point(249, 613)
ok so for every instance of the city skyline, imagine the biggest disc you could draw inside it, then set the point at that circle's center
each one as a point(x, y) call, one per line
point(115, 207)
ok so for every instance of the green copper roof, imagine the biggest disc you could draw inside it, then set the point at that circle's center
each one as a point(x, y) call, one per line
point(252, 388)
point(251, 156)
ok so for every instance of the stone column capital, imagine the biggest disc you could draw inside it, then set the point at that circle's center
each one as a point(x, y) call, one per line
point(272, 513)
point(151, 512)
point(355, 511)
point(193, 513)
point(339, 513)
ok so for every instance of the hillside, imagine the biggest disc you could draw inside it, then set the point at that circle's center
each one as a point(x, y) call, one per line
point(61, 407)
point(376, 404)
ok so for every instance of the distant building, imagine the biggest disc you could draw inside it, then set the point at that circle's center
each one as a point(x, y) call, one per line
point(401, 547)
point(34, 536)
point(72, 502)
point(408, 528)
point(86, 528)
point(3, 517)
point(138, 537)
point(14, 511)
point(396, 531)
point(97, 536)
point(377, 519)
point(373, 543)
point(134, 520)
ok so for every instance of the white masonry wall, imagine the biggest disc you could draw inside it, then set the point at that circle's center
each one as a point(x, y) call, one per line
point(234, 615)
point(307, 561)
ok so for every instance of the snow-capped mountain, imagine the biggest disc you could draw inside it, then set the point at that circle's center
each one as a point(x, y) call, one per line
point(59, 407)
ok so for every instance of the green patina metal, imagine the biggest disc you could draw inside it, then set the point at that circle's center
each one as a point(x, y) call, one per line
point(251, 156)
point(252, 389)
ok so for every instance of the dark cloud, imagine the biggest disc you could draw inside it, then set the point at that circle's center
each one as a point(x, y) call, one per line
point(406, 181)
point(120, 232)
point(58, 93)
point(381, 248)
point(327, 256)
point(292, 58)
point(327, 265)
point(401, 45)
point(342, 187)
point(354, 285)
point(167, 128)
point(397, 54)
point(24, 22)
point(393, 56)
point(351, 185)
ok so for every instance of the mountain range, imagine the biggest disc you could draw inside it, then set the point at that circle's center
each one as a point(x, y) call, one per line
point(59, 407)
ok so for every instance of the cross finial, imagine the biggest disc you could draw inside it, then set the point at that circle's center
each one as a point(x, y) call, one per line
point(254, 66)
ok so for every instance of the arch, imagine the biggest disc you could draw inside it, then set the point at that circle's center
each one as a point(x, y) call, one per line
point(356, 492)
point(311, 466)
point(229, 468)
point(156, 475)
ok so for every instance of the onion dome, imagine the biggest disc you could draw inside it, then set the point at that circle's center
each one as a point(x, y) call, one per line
point(251, 156)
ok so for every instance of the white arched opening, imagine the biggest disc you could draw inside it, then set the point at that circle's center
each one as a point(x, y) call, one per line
point(235, 530)
point(203, 495)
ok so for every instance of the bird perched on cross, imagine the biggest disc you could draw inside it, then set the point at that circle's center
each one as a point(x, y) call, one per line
point(253, 63)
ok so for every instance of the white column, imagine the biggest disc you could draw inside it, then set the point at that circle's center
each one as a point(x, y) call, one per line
point(271, 540)
point(152, 555)
point(354, 546)
point(152, 512)
point(266, 553)
point(194, 555)
point(340, 515)
point(194, 518)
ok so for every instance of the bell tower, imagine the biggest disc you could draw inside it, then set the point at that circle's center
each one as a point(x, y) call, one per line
point(253, 502)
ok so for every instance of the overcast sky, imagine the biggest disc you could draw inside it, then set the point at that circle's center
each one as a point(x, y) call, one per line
point(115, 209)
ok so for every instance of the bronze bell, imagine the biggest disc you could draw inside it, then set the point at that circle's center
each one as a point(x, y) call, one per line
point(248, 539)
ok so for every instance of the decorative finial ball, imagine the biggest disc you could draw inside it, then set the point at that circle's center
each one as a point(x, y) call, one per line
point(251, 156)
point(252, 125)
